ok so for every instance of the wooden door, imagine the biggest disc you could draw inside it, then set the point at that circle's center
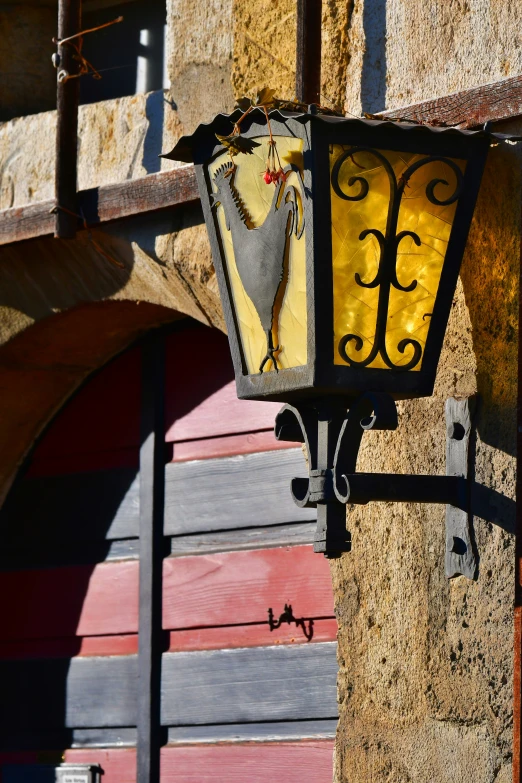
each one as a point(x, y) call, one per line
point(239, 702)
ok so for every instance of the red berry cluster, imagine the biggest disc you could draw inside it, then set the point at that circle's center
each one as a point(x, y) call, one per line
point(271, 175)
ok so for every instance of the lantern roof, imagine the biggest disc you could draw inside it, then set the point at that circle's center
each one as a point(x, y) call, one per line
point(221, 123)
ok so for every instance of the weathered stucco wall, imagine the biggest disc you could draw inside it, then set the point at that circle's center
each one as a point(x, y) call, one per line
point(117, 140)
point(425, 684)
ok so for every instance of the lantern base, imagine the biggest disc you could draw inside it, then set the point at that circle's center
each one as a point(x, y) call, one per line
point(332, 435)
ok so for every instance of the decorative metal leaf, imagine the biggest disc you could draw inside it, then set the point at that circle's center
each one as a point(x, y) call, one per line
point(236, 143)
point(243, 103)
point(265, 97)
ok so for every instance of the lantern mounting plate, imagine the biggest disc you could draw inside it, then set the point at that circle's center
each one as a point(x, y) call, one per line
point(332, 434)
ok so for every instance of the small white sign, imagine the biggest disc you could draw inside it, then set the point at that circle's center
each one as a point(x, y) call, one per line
point(77, 774)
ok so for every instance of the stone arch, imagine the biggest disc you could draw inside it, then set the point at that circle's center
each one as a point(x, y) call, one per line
point(41, 367)
point(68, 306)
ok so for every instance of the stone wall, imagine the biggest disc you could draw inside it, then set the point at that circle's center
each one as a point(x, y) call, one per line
point(425, 684)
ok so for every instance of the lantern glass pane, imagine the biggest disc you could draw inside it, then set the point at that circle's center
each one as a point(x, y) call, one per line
point(252, 197)
point(382, 308)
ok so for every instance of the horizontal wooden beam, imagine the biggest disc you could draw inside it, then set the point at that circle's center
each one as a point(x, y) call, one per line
point(125, 737)
point(202, 496)
point(294, 762)
point(470, 108)
point(245, 685)
point(101, 205)
point(228, 588)
point(304, 761)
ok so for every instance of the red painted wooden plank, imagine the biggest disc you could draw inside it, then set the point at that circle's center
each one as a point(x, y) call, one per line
point(249, 636)
point(191, 639)
point(119, 765)
point(70, 601)
point(69, 647)
point(183, 451)
point(202, 402)
point(202, 448)
point(228, 446)
point(307, 761)
point(99, 427)
point(103, 416)
point(221, 413)
point(292, 762)
point(239, 587)
point(19, 757)
point(200, 590)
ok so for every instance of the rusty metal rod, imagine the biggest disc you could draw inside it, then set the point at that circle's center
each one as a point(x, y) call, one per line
point(67, 99)
point(308, 51)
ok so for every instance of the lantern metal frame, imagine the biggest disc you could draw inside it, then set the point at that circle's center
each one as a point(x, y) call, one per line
point(330, 406)
point(320, 377)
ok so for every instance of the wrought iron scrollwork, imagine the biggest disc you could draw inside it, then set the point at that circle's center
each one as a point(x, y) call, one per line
point(332, 436)
point(386, 276)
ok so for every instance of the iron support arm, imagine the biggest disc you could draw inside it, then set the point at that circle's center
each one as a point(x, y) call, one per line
point(332, 436)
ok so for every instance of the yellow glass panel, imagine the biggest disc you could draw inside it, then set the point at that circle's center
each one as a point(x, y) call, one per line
point(355, 306)
point(289, 325)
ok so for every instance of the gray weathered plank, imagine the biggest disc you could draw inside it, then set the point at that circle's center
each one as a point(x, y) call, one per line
point(233, 492)
point(253, 732)
point(43, 739)
point(101, 692)
point(165, 189)
point(200, 496)
point(63, 693)
point(77, 506)
point(250, 685)
point(278, 731)
point(247, 538)
point(469, 108)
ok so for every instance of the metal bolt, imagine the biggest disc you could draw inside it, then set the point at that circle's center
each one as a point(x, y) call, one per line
point(456, 431)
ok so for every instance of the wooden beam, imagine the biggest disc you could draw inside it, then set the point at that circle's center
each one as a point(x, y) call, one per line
point(198, 592)
point(67, 100)
point(100, 205)
point(148, 194)
point(301, 761)
point(152, 500)
point(242, 685)
point(308, 51)
point(471, 108)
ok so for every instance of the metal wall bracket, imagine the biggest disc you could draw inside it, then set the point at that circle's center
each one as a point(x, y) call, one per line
point(332, 436)
point(460, 557)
